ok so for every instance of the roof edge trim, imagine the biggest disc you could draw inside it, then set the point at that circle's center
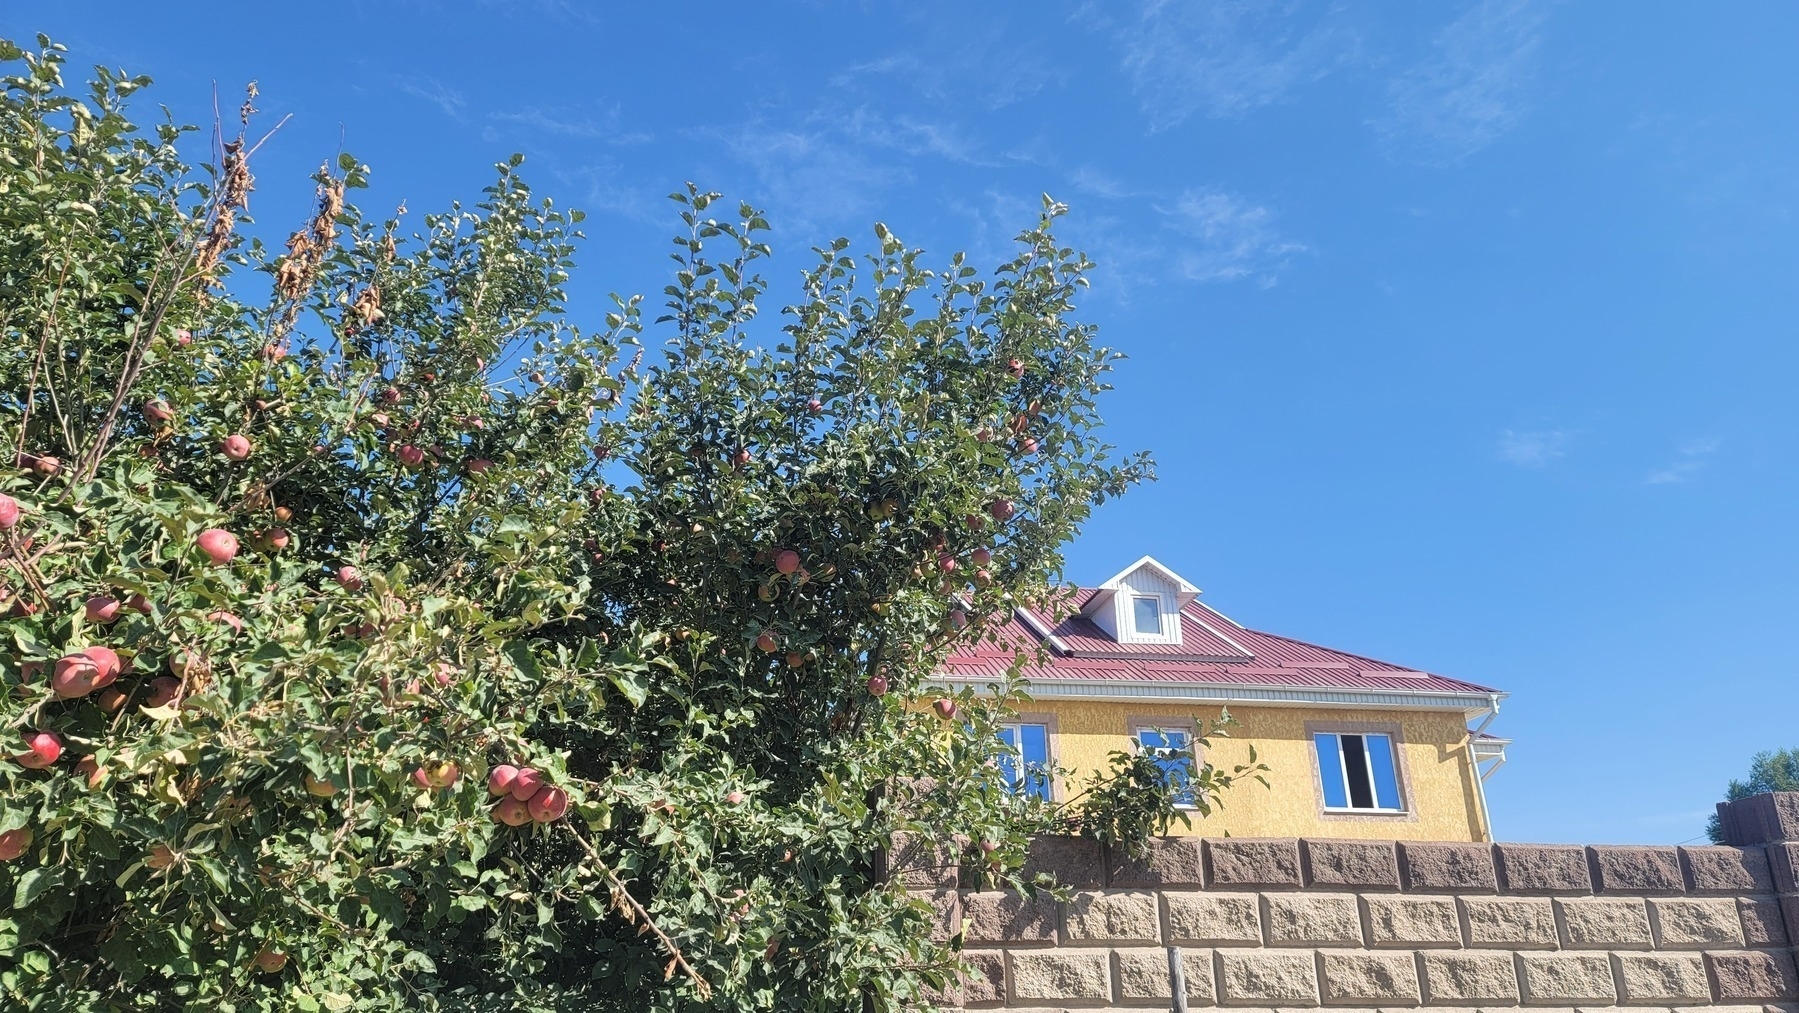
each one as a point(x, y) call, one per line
point(1110, 689)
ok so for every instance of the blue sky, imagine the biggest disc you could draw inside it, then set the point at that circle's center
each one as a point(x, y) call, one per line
point(1463, 333)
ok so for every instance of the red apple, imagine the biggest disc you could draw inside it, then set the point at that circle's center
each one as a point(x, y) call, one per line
point(766, 643)
point(536, 377)
point(500, 778)
point(236, 624)
point(9, 512)
point(273, 539)
point(478, 465)
point(157, 413)
point(43, 749)
point(734, 797)
point(219, 545)
point(102, 608)
point(235, 447)
point(981, 556)
point(46, 465)
point(512, 811)
point(1015, 367)
point(945, 708)
point(13, 843)
point(787, 561)
point(526, 783)
point(106, 660)
point(349, 578)
point(411, 456)
point(138, 603)
point(1000, 509)
point(390, 396)
point(989, 847)
point(946, 563)
point(420, 778)
point(975, 522)
point(270, 961)
point(795, 659)
point(284, 514)
point(184, 337)
point(75, 676)
point(982, 578)
point(741, 459)
point(110, 700)
point(1027, 447)
point(318, 786)
point(548, 805)
point(815, 406)
point(957, 619)
point(89, 768)
point(163, 690)
point(877, 685)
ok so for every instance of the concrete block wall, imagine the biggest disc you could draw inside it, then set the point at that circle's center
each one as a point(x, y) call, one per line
point(1301, 923)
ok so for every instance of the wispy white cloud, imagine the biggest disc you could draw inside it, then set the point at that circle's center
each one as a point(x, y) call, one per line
point(1470, 89)
point(602, 123)
point(437, 93)
point(1220, 58)
point(1226, 237)
point(1689, 459)
point(811, 177)
point(1533, 448)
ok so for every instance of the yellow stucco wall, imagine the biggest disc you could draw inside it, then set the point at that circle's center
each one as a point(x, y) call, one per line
point(1437, 780)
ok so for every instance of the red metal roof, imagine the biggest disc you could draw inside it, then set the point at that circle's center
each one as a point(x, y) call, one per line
point(1213, 650)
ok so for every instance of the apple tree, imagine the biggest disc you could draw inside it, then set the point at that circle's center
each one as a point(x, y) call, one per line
point(375, 637)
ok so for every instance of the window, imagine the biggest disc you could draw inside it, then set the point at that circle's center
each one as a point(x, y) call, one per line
point(1026, 767)
point(1147, 614)
point(1172, 749)
point(1358, 772)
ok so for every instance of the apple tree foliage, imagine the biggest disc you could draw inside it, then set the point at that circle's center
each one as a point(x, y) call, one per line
point(695, 566)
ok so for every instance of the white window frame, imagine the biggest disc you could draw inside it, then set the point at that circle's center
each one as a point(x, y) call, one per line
point(1400, 779)
point(1048, 724)
point(1140, 725)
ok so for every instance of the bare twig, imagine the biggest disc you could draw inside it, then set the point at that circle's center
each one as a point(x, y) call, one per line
point(627, 905)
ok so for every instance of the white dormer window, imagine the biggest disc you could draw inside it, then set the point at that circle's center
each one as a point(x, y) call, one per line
point(1146, 614)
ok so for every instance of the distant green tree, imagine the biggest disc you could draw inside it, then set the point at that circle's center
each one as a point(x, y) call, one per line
point(1776, 770)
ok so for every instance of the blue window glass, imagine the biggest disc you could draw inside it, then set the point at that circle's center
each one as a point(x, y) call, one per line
point(1380, 769)
point(1358, 771)
point(1330, 772)
point(1172, 749)
point(1025, 766)
point(1147, 613)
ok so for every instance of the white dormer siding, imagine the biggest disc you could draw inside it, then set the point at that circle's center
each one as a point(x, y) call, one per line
point(1142, 604)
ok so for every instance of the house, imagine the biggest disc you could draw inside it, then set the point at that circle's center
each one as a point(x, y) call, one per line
point(1357, 748)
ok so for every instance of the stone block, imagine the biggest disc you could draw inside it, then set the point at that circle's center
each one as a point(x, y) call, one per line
point(1363, 865)
point(1604, 923)
point(1267, 978)
point(1767, 975)
point(1142, 975)
point(1727, 870)
point(1004, 916)
point(1170, 862)
point(1661, 977)
point(1762, 921)
point(948, 907)
point(1357, 979)
point(1469, 976)
point(1412, 921)
point(1543, 868)
point(1064, 975)
point(1466, 868)
point(1074, 861)
point(985, 983)
point(1213, 919)
point(1312, 919)
point(921, 863)
point(1561, 979)
point(1512, 922)
point(1636, 869)
point(1784, 860)
point(1118, 916)
point(1761, 819)
point(1690, 923)
point(1250, 861)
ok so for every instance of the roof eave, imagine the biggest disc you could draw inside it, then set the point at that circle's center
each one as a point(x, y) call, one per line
point(1240, 693)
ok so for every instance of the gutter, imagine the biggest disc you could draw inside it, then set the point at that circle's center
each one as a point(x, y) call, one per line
point(1056, 643)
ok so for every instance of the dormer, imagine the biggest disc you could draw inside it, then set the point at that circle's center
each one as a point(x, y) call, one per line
point(1142, 604)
